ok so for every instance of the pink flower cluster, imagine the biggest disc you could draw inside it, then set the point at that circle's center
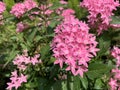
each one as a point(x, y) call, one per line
point(100, 12)
point(115, 80)
point(73, 45)
point(116, 54)
point(22, 61)
point(2, 7)
point(63, 2)
point(45, 9)
point(20, 8)
point(16, 81)
point(20, 27)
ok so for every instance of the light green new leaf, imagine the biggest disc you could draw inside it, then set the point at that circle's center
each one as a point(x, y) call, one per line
point(9, 4)
point(115, 20)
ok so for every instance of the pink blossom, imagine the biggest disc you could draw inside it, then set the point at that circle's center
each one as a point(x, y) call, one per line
point(22, 61)
point(2, 7)
point(18, 9)
point(29, 4)
point(16, 80)
point(113, 84)
point(20, 27)
point(100, 12)
point(116, 54)
point(68, 12)
point(73, 45)
point(115, 25)
point(45, 9)
point(63, 2)
point(34, 60)
point(116, 73)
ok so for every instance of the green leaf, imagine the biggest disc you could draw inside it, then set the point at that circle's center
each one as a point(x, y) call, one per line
point(52, 59)
point(32, 35)
point(56, 5)
point(37, 38)
point(11, 56)
point(104, 44)
point(75, 5)
point(84, 82)
point(70, 80)
point(59, 85)
point(41, 83)
point(77, 83)
point(54, 23)
point(44, 51)
point(98, 84)
point(115, 20)
point(96, 70)
point(9, 4)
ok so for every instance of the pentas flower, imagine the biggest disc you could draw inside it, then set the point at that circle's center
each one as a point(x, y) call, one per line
point(16, 80)
point(20, 27)
point(100, 12)
point(114, 82)
point(2, 7)
point(22, 61)
point(29, 4)
point(115, 25)
point(45, 9)
point(63, 2)
point(73, 45)
point(18, 9)
point(34, 60)
point(116, 54)
point(116, 73)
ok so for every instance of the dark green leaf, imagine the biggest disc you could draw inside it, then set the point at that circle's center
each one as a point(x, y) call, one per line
point(96, 70)
point(44, 51)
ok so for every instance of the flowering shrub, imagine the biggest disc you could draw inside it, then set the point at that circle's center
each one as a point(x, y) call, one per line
point(59, 45)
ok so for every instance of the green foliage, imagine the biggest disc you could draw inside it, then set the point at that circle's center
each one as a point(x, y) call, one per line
point(37, 37)
point(9, 4)
point(80, 12)
point(115, 20)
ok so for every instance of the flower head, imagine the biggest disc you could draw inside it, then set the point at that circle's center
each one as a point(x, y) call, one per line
point(100, 12)
point(29, 4)
point(2, 7)
point(22, 61)
point(18, 9)
point(16, 80)
point(73, 44)
point(114, 82)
